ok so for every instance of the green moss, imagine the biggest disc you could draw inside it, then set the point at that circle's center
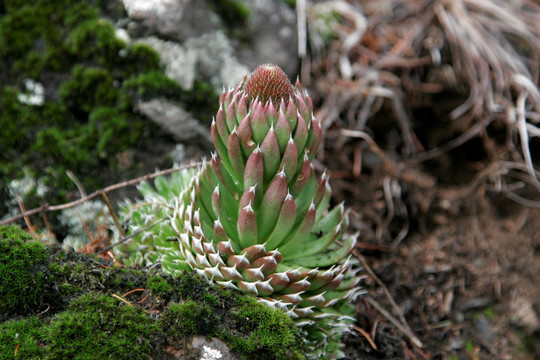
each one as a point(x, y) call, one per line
point(88, 88)
point(270, 331)
point(189, 318)
point(211, 299)
point(112, 128)
point(94, 40)
point(489, 313)
point(87, 117)
point(23, 264)
point(124, 278)
point(86, 319)
point(203, 100)
point(15, 120)
point(138, 59)
point(251, 329)
point(11, 234)
point(158, 285)
point(100, 327)
point(232, 11)
point(469, 346)
point(291, 3)
point(23, 338)
point(190, 287)
point(147, 85)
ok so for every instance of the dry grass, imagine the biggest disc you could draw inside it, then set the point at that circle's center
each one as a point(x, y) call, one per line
point(397, 55)
point(377, 68)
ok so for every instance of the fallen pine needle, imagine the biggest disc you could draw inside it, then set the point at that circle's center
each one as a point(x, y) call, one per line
point(132, 291)
point(413, 339)
point(366, 335)
point(124, 300)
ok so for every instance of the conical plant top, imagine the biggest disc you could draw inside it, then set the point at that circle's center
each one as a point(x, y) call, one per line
point(256, 217)
point(268, 82)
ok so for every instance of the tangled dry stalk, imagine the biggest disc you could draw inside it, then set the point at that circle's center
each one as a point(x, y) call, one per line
point(400, 54)
point(392, 69)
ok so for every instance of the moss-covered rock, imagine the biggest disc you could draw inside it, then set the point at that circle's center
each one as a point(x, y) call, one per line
point(23, 267)
point(270, 335)
point(22, 339)
point(98, 326)
point(189, 318)
point(89, 81)
point(59, 305)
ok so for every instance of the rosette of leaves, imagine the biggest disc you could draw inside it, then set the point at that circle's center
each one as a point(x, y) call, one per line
point(148, 220)
point(256, 216)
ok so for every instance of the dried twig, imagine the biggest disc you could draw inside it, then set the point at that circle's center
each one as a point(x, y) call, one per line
point(389, 166)
point(132, 291)
point(122, 299)
point(401, 324)
point(29, 225)
point(47, 208)
point(488, 48)
point(404, 329)
point(113, 214)
point(365, 334)
point(524, 135)
point(79, 185)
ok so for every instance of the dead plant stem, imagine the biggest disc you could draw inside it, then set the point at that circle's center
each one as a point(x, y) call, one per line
point(47, 208)
point(401, 324)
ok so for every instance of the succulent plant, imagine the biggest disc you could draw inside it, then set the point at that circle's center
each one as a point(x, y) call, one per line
point(256, 216)
point(152, 213)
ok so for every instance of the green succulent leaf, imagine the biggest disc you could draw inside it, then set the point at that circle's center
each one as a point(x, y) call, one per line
point(256, 217)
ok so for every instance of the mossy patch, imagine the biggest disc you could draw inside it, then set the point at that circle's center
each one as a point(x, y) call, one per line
point(158, 285)
point(97, 326)
point(233, 12)
point(21, 339)
point(189, 318)
point(91, 81)
point(84, 307)
point(269, 332)
point(23, 264)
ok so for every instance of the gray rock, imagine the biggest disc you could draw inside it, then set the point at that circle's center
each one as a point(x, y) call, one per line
point(180, 63)
point(216, 61)
point(274, 38)
point(177, 20)
point(212, 349)
point(195, 44)
point(484, 330)
point(176, 121)
point(268, 36)
point(209, 57)
point(523, 314)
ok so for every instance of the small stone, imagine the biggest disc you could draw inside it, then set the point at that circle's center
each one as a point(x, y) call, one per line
point(212, 349)
point(35, 94)
point(175, 120)
point(523, 315)
point(484, 330)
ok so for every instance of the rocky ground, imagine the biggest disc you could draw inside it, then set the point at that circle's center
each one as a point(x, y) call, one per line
point(464, 278)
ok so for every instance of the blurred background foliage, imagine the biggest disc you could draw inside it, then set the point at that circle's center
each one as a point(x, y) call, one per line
point(67, 90)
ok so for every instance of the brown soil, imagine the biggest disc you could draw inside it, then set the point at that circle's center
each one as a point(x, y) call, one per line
point(460, 260)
